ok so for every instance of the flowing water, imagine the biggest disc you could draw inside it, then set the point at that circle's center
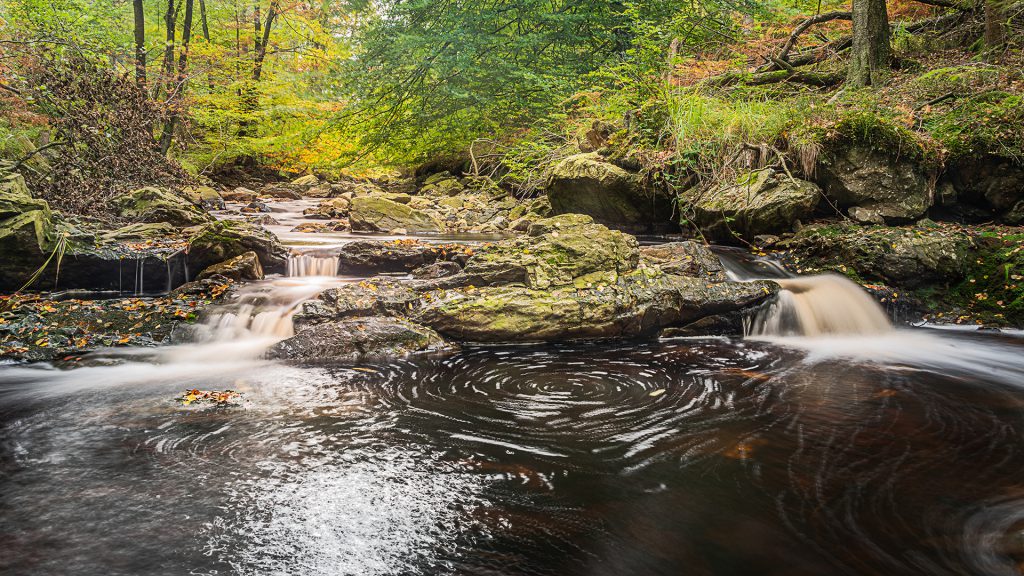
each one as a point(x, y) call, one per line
point(856, 449)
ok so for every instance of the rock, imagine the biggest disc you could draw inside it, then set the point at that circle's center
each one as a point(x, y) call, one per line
point(205, 197)
point(372, 297)
point(587, 184)
point(684, 259)
point(309, 180)
point(634, 307)
point(442, 184)
point(220, 241)
point(559, 251)
point(378, 256)
point(143, 231)
point(904, 257)
point(240, 194)
point(756, 203)
point(883, 185)
point(399, 232)
point(357, 338)
point(521, 225)
point(329, 209)
point(158, 205)
point(255, 208)
point(437, 270)
point(400, 198)
point(312, 228)
point(281, 192)
point(27, 232)
point(321, 191)
point(263, 220)
point(242, 267)
point(376, 214)
point(993, 183)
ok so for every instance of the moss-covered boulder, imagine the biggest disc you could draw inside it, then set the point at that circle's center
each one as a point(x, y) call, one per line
point(684, 259)
point(154, 204)
point(760, 202)
point(564, 250)
point(587, 184)
point(637, 305)
point(356, 338)
point(908, 257)
point(26, 231)
point(875, 186)
point(242, 267)
point(379, 214)
point(223, 240)
point(204, 196)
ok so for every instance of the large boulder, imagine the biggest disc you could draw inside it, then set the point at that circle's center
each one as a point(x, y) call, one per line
point(565, 250)
point(242, 267)
point(686, 258)
point(994, 184)
point(152, 204)
point(226, 239)
point(27, 232)
point(204, 196)
point(587, 184)
point(357, 338)
point(760, 202)
point(329, 209)
point(910, 257)
point(378, 256)
point(379, 214)
point(875, 186)
point(636, 306)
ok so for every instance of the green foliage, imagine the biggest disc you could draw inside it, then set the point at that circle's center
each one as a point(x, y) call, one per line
point(991, 123)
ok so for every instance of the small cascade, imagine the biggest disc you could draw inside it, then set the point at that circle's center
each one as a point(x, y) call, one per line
point(301, 265)
point(827, 305)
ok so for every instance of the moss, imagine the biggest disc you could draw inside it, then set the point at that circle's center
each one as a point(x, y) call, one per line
point(993, 290)
point(990, 123)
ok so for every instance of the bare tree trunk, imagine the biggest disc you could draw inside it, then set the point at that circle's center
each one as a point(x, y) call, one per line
point(202, 17)
point(178, 90)
point(261, 45)
point(167, 69)
point(995, 25)
point(871, 52)
point(140, 44)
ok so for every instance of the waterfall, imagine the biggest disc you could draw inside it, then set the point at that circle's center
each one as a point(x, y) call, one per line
point(312, 265)
point(828, 305)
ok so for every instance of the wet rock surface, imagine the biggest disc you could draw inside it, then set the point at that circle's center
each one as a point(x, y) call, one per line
point(875, 186)
point(588, 184)
point(756, 203)
point(356, 338)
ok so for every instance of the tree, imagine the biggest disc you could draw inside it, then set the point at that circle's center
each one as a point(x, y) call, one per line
point(178, 87)
point(263, 39)
point(871, 52)
point(140, 44)
point(995, 25)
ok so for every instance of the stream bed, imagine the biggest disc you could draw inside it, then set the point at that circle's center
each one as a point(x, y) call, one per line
point(696, 456)
point(897, 452)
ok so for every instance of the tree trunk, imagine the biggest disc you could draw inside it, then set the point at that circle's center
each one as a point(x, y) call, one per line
point(995, 25)
point(175, 96)
point(140, 44)
point(167, 69)
point(261, 45)
point(871, 52)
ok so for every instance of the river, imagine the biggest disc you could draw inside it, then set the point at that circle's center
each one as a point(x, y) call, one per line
point(885, 451)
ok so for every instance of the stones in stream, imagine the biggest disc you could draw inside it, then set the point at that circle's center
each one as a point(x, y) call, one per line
point(568, 279)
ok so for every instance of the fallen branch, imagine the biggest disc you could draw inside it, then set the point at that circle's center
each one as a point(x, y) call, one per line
point(820, 79)
point(29, 156)
point(934, 101)
point(803, 26)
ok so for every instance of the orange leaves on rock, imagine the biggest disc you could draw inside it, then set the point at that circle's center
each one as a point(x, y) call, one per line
point(213, 397)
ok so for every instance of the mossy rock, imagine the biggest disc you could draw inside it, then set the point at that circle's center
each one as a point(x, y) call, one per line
point(377, 214)
point(154, 204)
point(587, 184)
point(760, 202)
point(635, 306)
point(556, 252)
point(875, 186)
point(356, 338)
point(242, 267)
point(223, 240)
